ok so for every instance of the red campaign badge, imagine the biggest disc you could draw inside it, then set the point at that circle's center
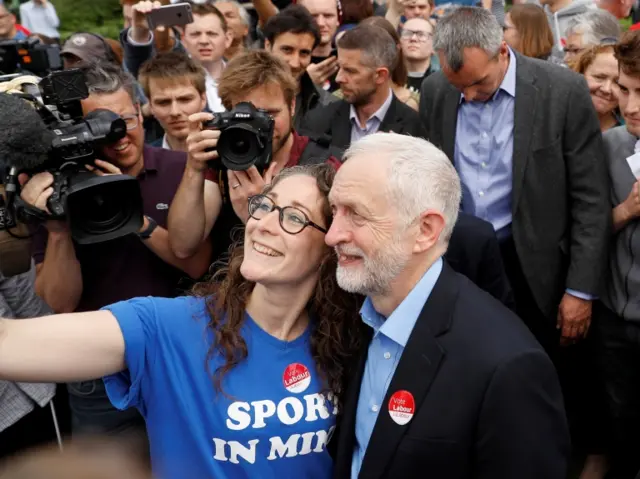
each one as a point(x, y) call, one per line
point(296, 378)
point(401, 407)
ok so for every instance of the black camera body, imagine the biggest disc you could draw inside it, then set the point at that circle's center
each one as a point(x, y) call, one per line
point(29, 55)
point(98, 208)
point(246, 138)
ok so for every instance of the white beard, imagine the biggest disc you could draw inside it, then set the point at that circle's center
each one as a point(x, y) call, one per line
point(375, 274)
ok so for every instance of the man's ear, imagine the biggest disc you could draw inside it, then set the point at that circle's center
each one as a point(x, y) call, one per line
point(267, 45)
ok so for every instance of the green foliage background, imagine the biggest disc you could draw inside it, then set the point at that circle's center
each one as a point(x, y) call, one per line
point(96, 16)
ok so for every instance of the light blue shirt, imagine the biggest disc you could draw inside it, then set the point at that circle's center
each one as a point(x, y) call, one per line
point(484, 156)
point(373, 123)
point(40, 19)
point(389, 340)
point(483, 153)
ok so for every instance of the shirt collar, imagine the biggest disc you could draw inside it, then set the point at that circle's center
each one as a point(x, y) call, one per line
point(399, 325)
point(165, 142)
point(508, 84)
point(379, 114)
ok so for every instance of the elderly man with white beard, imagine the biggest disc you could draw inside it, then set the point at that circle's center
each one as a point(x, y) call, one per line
point(449, 383)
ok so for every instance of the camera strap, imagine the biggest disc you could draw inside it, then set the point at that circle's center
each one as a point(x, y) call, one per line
point(29, 213)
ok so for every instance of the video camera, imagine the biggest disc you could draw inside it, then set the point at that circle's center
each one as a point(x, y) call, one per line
point(97, 208)
point(246, 137)
point(30, 56)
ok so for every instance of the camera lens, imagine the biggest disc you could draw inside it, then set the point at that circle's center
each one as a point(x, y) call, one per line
point(239, 146)
point(102, 210)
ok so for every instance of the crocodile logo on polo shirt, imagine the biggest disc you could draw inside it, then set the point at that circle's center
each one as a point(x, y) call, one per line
point(162, 206)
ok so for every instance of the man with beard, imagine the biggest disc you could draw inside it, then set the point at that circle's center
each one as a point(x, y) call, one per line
point(449, 383)
point(366, 55)
point(215, 201)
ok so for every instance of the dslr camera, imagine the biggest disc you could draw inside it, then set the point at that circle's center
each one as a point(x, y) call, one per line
point(98, 208)
point(29, 56)
point(246, 137)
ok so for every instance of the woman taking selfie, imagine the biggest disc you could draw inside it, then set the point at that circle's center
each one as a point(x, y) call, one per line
point(240, 380)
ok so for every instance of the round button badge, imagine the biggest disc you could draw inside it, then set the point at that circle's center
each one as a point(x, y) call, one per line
point(402, 407)
point(296, 378)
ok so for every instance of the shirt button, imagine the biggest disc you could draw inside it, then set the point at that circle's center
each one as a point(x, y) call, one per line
point(374, 408)
point(484, 134)
point(481, 193)
point(387, 355)
point(484, 165)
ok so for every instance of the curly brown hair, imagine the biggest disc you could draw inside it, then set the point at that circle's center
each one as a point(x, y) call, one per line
point(337, 327)
point(588, 56)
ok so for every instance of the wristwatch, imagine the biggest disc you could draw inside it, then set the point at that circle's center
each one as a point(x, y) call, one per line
point(146, 234)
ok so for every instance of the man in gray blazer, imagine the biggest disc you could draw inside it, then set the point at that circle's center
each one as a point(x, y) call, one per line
point(526, 141)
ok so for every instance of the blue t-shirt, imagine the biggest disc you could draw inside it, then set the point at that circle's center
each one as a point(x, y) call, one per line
point(273, 420)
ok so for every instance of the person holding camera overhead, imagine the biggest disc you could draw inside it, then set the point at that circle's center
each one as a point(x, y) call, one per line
point(243, 380)
point(71, 277)
point(227, 163)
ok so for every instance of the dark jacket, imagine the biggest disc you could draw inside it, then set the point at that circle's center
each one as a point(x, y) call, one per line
point(560, 193)
point(487, 399)
point(334, 122)
point(474, 252)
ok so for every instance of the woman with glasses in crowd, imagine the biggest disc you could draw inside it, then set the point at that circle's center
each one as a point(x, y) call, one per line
point(600, 68)
point(526, 30)
point(244, 378)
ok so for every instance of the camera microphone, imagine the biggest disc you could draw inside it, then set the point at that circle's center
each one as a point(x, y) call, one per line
point(24, 139)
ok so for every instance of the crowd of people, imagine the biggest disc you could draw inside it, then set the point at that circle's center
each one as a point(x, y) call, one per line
point(427, 270)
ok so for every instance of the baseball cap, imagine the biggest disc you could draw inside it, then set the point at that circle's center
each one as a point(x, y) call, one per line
point(85, 46)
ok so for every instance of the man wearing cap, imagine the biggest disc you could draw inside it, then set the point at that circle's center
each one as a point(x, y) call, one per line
point(83, 47)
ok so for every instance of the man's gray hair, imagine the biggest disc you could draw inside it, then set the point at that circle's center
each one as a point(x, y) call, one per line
point(595, 26)
point(421, 177)
point(377, 46)
point(467, 27)
point(107, 77)
point(244, 14)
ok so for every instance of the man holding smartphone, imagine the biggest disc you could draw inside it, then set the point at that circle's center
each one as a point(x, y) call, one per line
point(205, 39)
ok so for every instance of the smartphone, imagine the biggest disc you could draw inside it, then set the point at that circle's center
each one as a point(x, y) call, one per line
point(170, 15)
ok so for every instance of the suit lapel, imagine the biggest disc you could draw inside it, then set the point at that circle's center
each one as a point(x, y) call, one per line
point(524, 117)
point(391, 121)
point(416, 370)
point(341, 127)
point(450, 121)
point(346, 432)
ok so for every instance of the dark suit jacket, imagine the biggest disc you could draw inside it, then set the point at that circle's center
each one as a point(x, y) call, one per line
point(333, 121)
point(488, 403)
point(474, 252)
point(561, 216)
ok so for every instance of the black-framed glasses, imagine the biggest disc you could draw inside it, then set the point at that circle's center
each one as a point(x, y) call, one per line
point(292, 220)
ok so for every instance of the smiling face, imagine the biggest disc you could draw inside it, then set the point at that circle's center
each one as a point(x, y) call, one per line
point(275, 257)
point(126, 153)
point(601, 77)
point(295, 49)
point(371, 247)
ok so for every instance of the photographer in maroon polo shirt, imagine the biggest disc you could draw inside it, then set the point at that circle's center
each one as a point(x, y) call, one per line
point(213, 202)
point(73, 277)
